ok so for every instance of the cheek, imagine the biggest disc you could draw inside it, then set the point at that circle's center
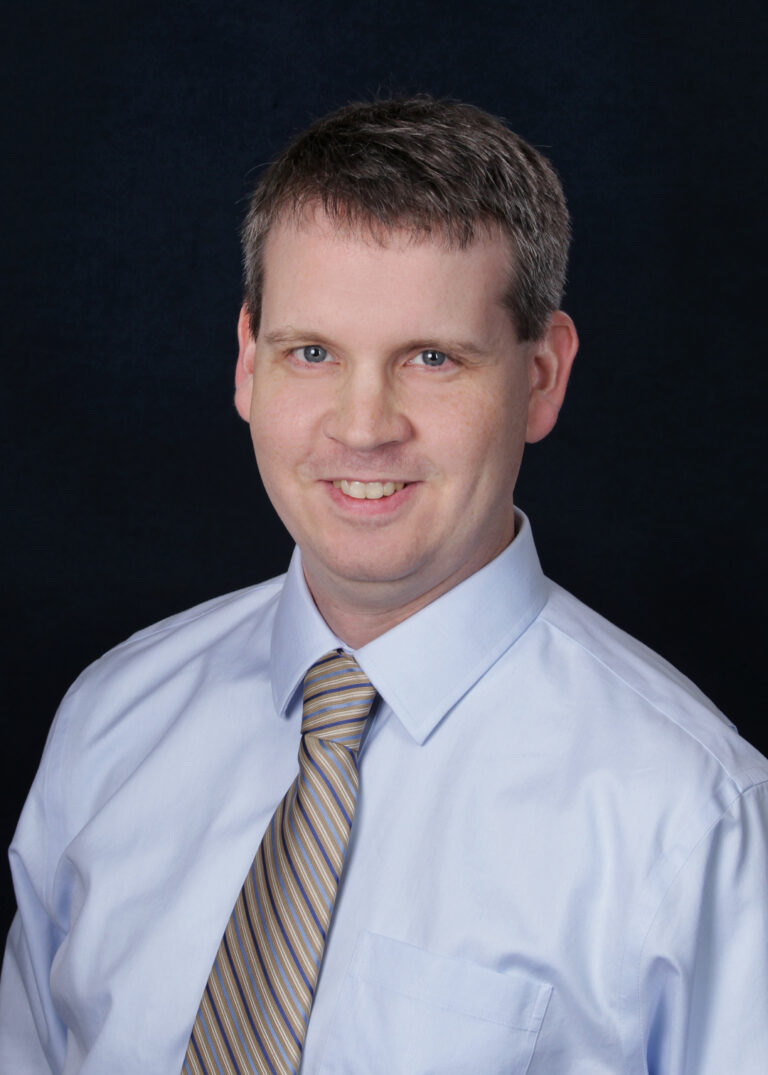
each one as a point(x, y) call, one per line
point(279, 424)
point(485, 440)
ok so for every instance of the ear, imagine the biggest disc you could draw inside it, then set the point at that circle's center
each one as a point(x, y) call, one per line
point(244, 367)
point(550, 360)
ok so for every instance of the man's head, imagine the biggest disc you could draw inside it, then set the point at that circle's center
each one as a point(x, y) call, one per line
point(399, 344)
point(435, 169)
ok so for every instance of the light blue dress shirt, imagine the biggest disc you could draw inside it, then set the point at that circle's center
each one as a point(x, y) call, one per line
point(558, 863)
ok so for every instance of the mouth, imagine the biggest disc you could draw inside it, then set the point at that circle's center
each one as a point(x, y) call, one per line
point(368, 490)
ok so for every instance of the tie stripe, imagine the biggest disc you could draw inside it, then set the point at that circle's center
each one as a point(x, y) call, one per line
point(253, 1015)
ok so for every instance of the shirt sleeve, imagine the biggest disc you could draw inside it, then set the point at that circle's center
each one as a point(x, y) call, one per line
point(704, 973)
point(32, 1035)
point(24, 1034)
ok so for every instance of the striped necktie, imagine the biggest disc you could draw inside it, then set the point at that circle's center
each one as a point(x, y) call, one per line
point(255, 1008)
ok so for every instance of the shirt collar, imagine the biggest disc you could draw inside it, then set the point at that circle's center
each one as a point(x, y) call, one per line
point(425, 665)
point(300, 636)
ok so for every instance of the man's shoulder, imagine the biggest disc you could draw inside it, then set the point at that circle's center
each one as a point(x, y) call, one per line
point(600, 641)
point(212, 640)
point(638, 685)
point(172, 689)
point(216, 615)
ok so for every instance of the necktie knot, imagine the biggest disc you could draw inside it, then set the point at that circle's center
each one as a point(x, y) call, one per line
point(337, 700)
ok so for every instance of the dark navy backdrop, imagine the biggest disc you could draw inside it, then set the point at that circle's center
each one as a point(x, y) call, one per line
point(132, 131)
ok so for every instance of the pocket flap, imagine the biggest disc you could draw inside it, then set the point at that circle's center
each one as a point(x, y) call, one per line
point(514, 1000)
point(405, 1011)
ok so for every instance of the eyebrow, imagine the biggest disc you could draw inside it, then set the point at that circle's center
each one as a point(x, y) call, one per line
point(289, 334)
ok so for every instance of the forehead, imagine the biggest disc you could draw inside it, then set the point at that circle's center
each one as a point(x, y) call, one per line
point(318, 267)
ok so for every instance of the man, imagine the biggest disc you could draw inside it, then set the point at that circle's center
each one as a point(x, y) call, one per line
point(518, 840)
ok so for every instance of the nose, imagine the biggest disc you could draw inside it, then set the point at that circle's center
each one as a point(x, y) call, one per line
point(367, 412)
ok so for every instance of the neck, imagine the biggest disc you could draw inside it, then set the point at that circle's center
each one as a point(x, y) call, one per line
point(357, 612)
point(357, 624)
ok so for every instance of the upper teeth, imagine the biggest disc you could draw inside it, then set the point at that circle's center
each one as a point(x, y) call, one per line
point(368, 490)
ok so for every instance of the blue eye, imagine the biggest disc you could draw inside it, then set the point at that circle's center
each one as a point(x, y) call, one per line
point(313, 353)
point(432, 358)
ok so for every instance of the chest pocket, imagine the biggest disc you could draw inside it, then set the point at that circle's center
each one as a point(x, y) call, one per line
point(405, 1011)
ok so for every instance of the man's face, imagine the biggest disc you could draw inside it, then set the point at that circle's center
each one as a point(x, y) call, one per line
point(388, 404)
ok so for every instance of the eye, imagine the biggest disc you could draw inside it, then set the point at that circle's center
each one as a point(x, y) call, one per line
point(313, 353)
point(430, 357)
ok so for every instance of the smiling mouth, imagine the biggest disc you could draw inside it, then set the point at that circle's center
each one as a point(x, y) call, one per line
point(368, 490)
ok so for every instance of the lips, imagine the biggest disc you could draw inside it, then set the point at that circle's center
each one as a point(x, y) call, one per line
point(359, 490)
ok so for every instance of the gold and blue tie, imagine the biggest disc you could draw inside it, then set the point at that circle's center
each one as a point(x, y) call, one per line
point(255, 1008)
